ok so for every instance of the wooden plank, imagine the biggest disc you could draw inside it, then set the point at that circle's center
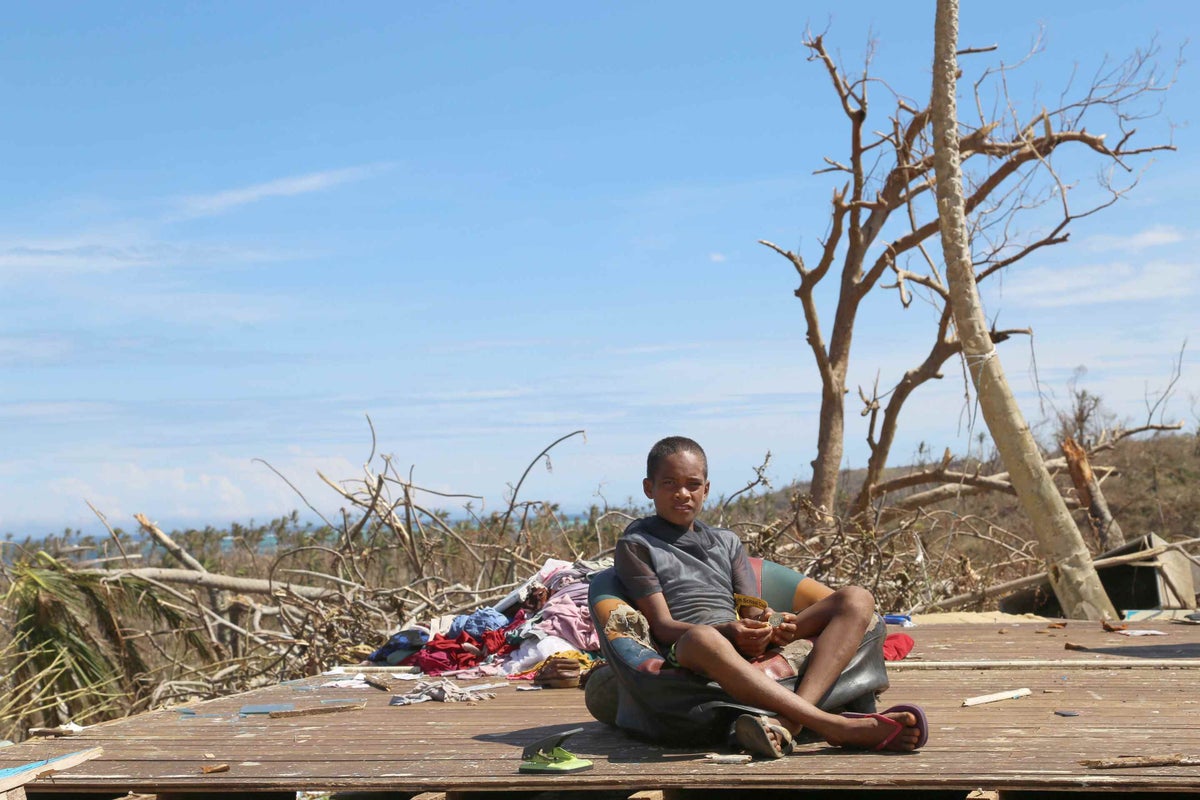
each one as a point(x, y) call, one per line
point(466, 749)
point(226, 795)
point(314, 710)
point(1053, 663)
point(20, 774)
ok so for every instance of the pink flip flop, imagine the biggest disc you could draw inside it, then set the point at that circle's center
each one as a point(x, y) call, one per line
point(922, 724)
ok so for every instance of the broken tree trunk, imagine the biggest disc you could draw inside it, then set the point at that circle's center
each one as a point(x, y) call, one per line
point(1091, 497)
point(214, 580)
point(1072, 575)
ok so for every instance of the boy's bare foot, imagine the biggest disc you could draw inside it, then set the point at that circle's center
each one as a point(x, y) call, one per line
point(892, 730)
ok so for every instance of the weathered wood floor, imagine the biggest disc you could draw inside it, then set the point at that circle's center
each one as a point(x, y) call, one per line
point(1127, 704)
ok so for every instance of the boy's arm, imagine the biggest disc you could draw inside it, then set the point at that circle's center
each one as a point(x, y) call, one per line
point(750, 637)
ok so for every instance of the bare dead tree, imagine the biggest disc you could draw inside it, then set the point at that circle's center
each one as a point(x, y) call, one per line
point(883, 215)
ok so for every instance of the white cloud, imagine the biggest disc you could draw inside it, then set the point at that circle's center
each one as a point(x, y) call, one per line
point(33, 349)
point(204, 309)
point(207, 205)
point(74, 410)
point(1090, 284)
point(1156, 236)
point(475, 345)
point(216, 490)
point(477, 394)
point(717, 258)
point(42, 257)
point(651, 349)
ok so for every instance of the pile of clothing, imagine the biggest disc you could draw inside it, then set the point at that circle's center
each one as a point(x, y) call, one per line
point(548, 616)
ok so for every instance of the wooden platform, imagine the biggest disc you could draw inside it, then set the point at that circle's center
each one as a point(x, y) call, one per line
point(1134, 696)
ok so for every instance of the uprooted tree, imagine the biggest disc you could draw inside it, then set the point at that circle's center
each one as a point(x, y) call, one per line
point(883, 217)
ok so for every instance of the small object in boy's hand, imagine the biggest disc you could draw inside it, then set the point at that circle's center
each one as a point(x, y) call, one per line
point(775, 620)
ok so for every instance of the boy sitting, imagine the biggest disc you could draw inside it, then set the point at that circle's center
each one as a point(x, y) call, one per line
point(683, 574)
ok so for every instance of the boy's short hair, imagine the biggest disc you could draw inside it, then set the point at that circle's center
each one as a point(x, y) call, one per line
point(669, 447)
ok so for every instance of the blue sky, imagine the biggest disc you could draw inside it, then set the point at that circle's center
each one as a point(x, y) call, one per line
point(230, 231)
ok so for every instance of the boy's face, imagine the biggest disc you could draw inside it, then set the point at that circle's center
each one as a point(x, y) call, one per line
point(678, 488)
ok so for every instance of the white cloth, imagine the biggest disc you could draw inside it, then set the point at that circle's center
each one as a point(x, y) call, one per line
point(533, 652)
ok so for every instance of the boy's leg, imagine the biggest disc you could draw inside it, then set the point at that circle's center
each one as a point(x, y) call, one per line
point(705, 651)
point(836, 625)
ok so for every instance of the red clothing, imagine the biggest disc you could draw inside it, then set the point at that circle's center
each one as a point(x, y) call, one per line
point(441, 654)
point(896, 646)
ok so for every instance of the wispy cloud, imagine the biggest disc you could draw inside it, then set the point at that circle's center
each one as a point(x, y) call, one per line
point(33, 349)
point(717, 258)
point(1156, 236)
point(74, 410)
point(74, 257)
point(477, 345)
point(481, 395)
point(204, 309)
point(208, 205)
point(652, 349)
point(1091, 284)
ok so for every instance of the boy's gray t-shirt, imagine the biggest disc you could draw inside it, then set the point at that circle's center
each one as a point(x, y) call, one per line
point(697, 570)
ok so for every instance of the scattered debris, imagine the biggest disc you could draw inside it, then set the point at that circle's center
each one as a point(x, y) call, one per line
point(1067, 713)
point(264, 708)
point(14, 777)
point(444, 691)
point(355, 682)
point(1073, 646)
point(1142, 632)
point(730, 758)
point(324, 709)
point(376, 684)
point(69, 729)
point(1056, 625)
point(398, 671)
point(211, 769)
point(1009, 694)
point(1121, 762)
point(1110, 627)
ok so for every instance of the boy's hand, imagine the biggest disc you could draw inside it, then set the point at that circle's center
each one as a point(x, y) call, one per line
point(785, 632)
point(751, 637)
